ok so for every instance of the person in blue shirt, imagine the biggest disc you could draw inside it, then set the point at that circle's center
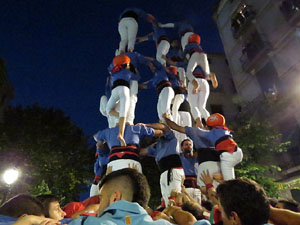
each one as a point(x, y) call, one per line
point(121, 156)
point(137, 60)
point(128, 27)
point(190, 166)
point(124, 195)
point(119, 83)
point(163, 86)
point(168, 161)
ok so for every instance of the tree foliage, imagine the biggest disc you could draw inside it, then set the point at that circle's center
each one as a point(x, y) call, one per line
point(51, 152)
point(260, 141)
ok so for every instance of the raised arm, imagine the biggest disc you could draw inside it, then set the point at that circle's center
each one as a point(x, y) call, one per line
point(214, 80)
point(173, 125)
point(284, 217)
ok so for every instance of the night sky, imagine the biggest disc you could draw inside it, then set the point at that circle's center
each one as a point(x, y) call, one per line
point(57, 51)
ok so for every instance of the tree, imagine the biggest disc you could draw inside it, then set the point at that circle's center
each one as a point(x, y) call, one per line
point(51, 152)
point(260, 140)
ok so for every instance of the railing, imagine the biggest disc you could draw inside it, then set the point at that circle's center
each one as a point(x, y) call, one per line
point(241, 20)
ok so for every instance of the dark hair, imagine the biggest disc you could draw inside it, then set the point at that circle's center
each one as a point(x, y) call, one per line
point(46, 200)
point(190, 207)
point(289, 204)
point(22, 204)
point(185, 141)
point(141, 189)
point(246, 198)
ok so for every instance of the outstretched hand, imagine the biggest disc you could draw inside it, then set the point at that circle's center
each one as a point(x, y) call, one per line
point(206, 178)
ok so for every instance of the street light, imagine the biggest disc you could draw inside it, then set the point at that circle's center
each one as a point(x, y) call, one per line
point(10, 176)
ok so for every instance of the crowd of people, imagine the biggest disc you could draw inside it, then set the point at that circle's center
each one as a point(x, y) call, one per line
point(194, 150)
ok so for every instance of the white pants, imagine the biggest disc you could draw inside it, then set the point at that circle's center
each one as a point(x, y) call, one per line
point(94, 190)
point(162, 49)
point(195, 193)
point(197, 59)
point(124, 163)
point(128, 28)
point(184, 119)
point(185, 38)
point(228, 161)
point(198, 101)
point(122, 94)
point(182, 77)
point(176, 179)
point(112, 120)
point(164, 102)
point(177, 101)
point(133, 100)
point(212, 167)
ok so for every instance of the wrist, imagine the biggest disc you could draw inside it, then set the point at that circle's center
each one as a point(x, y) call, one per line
point(208, 186)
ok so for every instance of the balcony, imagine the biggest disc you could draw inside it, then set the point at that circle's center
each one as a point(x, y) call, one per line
point(291, 11)
point(241, 20)
point(254, 54)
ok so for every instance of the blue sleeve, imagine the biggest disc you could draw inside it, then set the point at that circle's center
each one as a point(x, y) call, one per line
point(182, 64)
point(100, 136)
point(169, 135)
point(110, 67)
point(151, 152)
point(146, 132)
point(157, 65)
point(141, 59)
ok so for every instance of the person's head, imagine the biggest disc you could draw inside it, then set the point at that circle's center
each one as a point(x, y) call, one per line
point(187, 147)
point(21, 205)
point(172, 70)
point(52, 207)
point(243, 202)
point(194, 208)
point(194, 38)
point(287, 204)
point(121, 60)
point(215, 119)
point(126, 184)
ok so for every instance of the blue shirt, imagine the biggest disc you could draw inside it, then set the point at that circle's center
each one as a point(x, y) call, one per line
point(159, 75)
point(190, 47)
point(190, 165)
point(132, 135)
point(101, 161)
point(123, 74)
point(166, 146)
point(174, 79)
point(205, 138)
point(117, 212)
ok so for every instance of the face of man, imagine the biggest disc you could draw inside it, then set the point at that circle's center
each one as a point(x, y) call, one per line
point(228, 220)
point(187, 147)
point(55, 212)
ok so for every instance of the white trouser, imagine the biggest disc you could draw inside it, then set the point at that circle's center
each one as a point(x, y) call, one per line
point(177, 101)
point(195, 193)
point(128, 28)
point(164, 102)
point(184, 119)
point(125, 163)
point(112, 120)
point(197, 59)
point(176, 179)
point(162, 49)
point(134, 85)
point(94, 190)
point(212, 167)
point(122, 94)
point(228, 161)
point(185, 39)
point(198, 101)
point(182, 77)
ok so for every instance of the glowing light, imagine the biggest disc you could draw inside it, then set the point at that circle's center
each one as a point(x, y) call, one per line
point(10, 176)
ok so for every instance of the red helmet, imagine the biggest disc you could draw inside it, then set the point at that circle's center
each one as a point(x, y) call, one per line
point(172, 70)
point(194, 38)
point(120, 60)
point(215, 119)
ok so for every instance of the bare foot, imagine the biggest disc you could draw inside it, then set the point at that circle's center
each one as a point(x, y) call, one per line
point(122, 140)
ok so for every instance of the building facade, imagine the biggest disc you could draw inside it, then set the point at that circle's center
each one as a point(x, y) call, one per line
point(262, 43)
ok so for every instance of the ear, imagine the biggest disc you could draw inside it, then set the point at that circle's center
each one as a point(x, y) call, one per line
point(235, 218)
point(116, 196)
